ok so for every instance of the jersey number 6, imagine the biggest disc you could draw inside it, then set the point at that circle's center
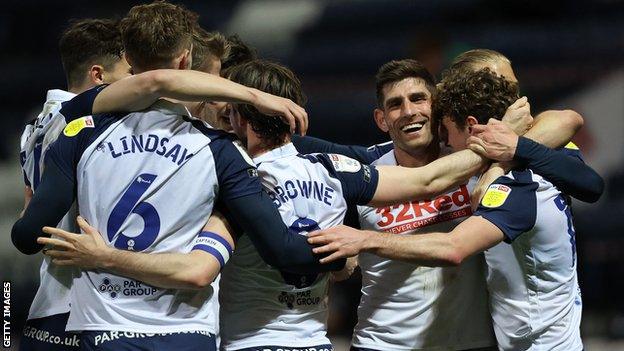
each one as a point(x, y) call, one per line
point(127, 205)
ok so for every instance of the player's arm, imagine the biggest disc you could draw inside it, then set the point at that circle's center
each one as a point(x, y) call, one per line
point(53, 199)
point(399, 184)
point(138, 92)
point(555, 128)
point(572, 176)
point(193, 270)
point(472, 236)
point(57, 189)
point(366, 155)
point(508, 210)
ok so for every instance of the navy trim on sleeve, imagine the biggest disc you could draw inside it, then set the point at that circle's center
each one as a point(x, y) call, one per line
point(366, 155)
point(359, 181)
point(568, 174)
point(81, 104)
point(236, 176)
point(49, 204)
point(66, 151)
point(511, 204)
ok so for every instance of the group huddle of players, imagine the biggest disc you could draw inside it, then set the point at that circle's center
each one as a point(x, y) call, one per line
point(177, 209)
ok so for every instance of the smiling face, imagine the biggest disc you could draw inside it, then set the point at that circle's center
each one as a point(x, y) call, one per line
point(406, 114)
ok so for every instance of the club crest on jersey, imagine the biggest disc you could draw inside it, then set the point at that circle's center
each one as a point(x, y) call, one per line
point(496, 195)
point(74, 127)
point(344, 164)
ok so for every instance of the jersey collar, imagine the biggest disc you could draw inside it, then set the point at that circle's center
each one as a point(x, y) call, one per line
point(59, 95)
point(277, 153)
point(170, 108)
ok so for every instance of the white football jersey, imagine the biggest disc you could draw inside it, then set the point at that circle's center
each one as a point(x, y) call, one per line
point(52, 296)
point(534, 293)
point(148, 182)
point(261, 306)
point(405, 306)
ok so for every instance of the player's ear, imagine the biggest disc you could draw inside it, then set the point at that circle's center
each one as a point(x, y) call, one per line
point(471, 121)
point(378, 115)
point(184, 61)
point(96, 74)
point(129, 61)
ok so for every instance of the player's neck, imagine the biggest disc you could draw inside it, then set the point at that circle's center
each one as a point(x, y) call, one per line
point(418, 157)
point(256, 147)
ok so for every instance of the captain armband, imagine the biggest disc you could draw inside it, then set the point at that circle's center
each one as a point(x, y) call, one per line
point(215, 245)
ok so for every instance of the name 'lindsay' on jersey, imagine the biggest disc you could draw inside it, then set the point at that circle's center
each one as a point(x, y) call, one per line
point(147, 181)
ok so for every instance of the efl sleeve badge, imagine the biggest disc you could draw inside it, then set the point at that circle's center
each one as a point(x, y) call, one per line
point(496, 195)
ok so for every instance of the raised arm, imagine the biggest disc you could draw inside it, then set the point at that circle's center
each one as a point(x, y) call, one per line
point(555, 128)
point(400, 184)
point(193, 270)
point(569, 174)
point(138, 92)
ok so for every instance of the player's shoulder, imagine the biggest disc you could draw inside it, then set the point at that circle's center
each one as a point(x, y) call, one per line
point(522, 183)
point(208, 131)
point(334, 162)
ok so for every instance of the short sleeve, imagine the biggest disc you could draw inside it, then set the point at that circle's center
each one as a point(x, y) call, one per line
point(81, 104)
point(359, 181)
point(511, 204)
point(236, 173)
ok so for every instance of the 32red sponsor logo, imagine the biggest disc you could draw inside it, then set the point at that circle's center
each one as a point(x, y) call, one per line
point(425, 212)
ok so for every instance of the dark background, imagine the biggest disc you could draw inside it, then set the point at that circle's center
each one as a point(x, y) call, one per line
point(566, 54)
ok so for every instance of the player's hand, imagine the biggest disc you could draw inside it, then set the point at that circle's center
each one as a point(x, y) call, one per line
point(346, 272)
point(518, 116)
point(339, 242)
point(293, 114)
point(495, 140)
point(86, 250)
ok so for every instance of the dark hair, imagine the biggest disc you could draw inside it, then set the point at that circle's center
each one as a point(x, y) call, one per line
point(207, 45)
point(89, 42)
point(397, 70)
point(469, 59)
point(153, 34)
point(481, 94)
point(237, 52)
point(272, 78)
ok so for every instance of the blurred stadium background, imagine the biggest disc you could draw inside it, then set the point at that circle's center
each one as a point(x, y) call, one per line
point(566, 54)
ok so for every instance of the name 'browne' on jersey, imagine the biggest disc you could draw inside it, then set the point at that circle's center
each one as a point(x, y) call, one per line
point(261, 306)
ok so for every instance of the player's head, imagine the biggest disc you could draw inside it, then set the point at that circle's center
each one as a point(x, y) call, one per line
point(250, 125)
point(477, 59)
point(238, 52)
point(209, 49)
point(404, 89)
point(465, 98)
point(92, 53)
point(158, 35)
